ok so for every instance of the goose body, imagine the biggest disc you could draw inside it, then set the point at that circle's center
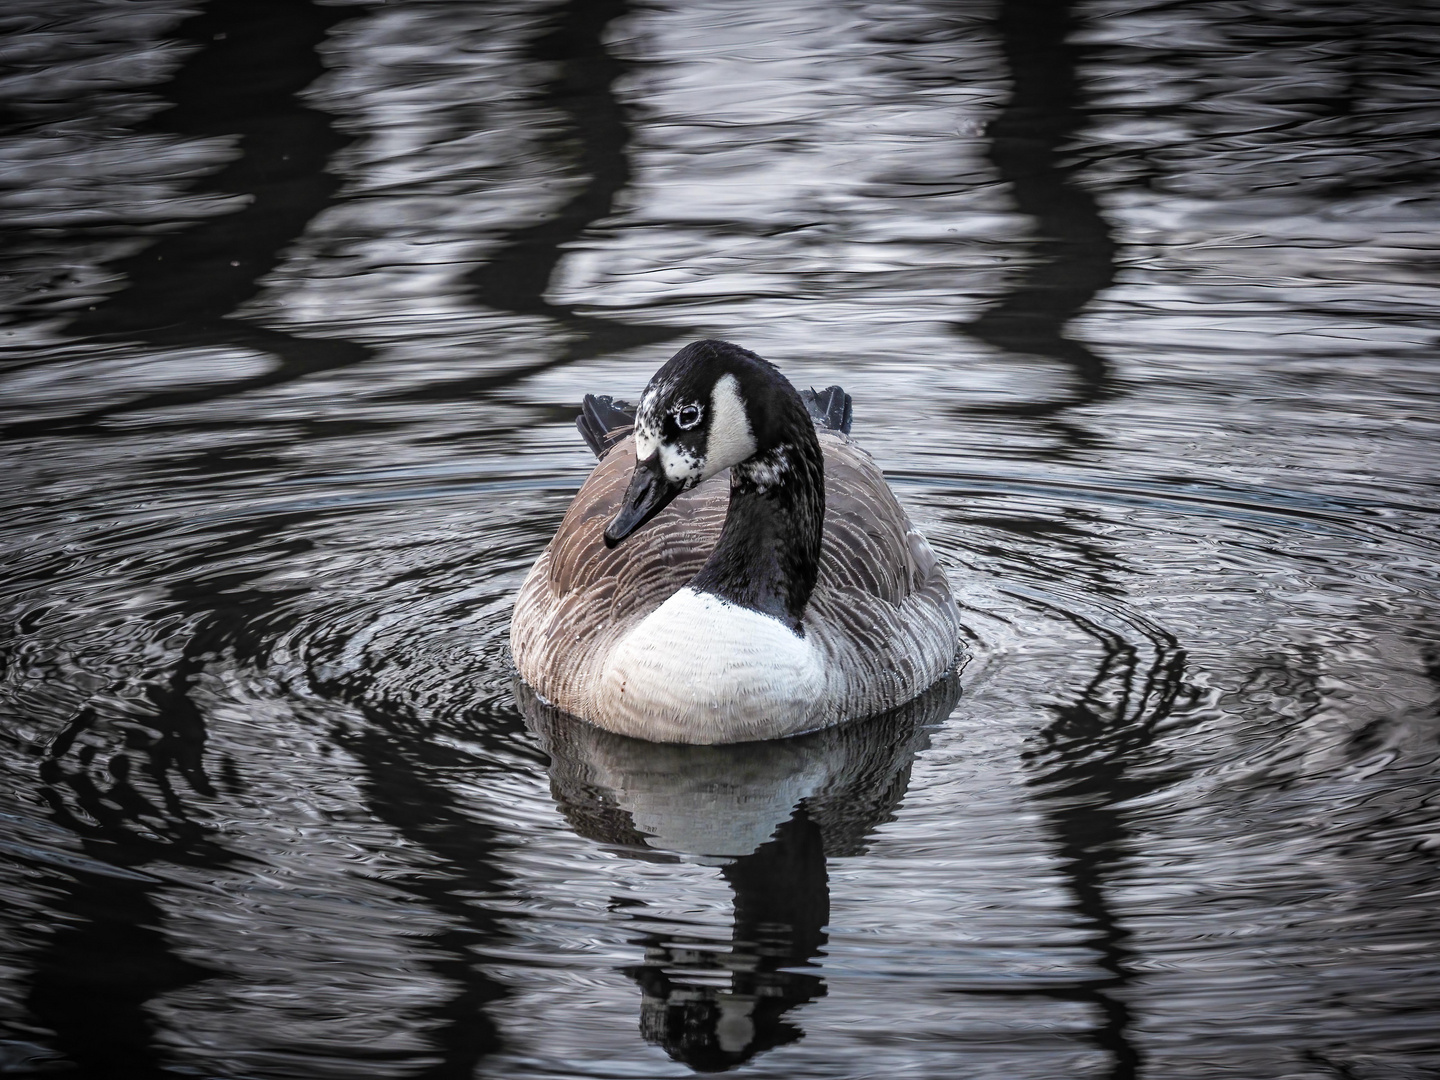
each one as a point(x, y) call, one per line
point(795, 596)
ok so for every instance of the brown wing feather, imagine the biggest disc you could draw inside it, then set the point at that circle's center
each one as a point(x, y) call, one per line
point(865, 549)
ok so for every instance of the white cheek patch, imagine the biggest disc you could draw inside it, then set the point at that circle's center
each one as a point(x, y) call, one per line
point(731, 439)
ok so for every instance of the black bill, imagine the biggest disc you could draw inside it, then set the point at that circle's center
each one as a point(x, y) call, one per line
point(650, 492)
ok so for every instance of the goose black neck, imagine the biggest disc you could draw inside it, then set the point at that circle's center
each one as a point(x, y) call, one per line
point(768, 555)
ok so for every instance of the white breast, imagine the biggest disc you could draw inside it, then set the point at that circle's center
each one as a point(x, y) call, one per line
point(699, 664)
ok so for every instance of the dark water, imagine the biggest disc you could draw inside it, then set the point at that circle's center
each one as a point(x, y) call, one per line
point(1139, 305)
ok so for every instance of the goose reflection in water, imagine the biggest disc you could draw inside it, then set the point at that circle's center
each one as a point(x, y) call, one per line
point(768, 815)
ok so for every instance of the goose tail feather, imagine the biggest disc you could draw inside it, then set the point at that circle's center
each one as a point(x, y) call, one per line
point(830, 408)
point(603, 422)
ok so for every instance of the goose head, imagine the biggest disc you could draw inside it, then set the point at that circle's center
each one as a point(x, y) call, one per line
point(713, 406)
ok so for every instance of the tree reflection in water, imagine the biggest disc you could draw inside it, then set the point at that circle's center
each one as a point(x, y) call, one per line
point(768, 815)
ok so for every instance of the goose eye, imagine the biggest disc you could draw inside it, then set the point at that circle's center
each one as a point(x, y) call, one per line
point(688, 417)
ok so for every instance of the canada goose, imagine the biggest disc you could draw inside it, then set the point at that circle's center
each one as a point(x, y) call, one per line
point(804, 599)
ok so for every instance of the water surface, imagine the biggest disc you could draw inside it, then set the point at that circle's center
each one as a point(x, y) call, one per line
point(1138, 306)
